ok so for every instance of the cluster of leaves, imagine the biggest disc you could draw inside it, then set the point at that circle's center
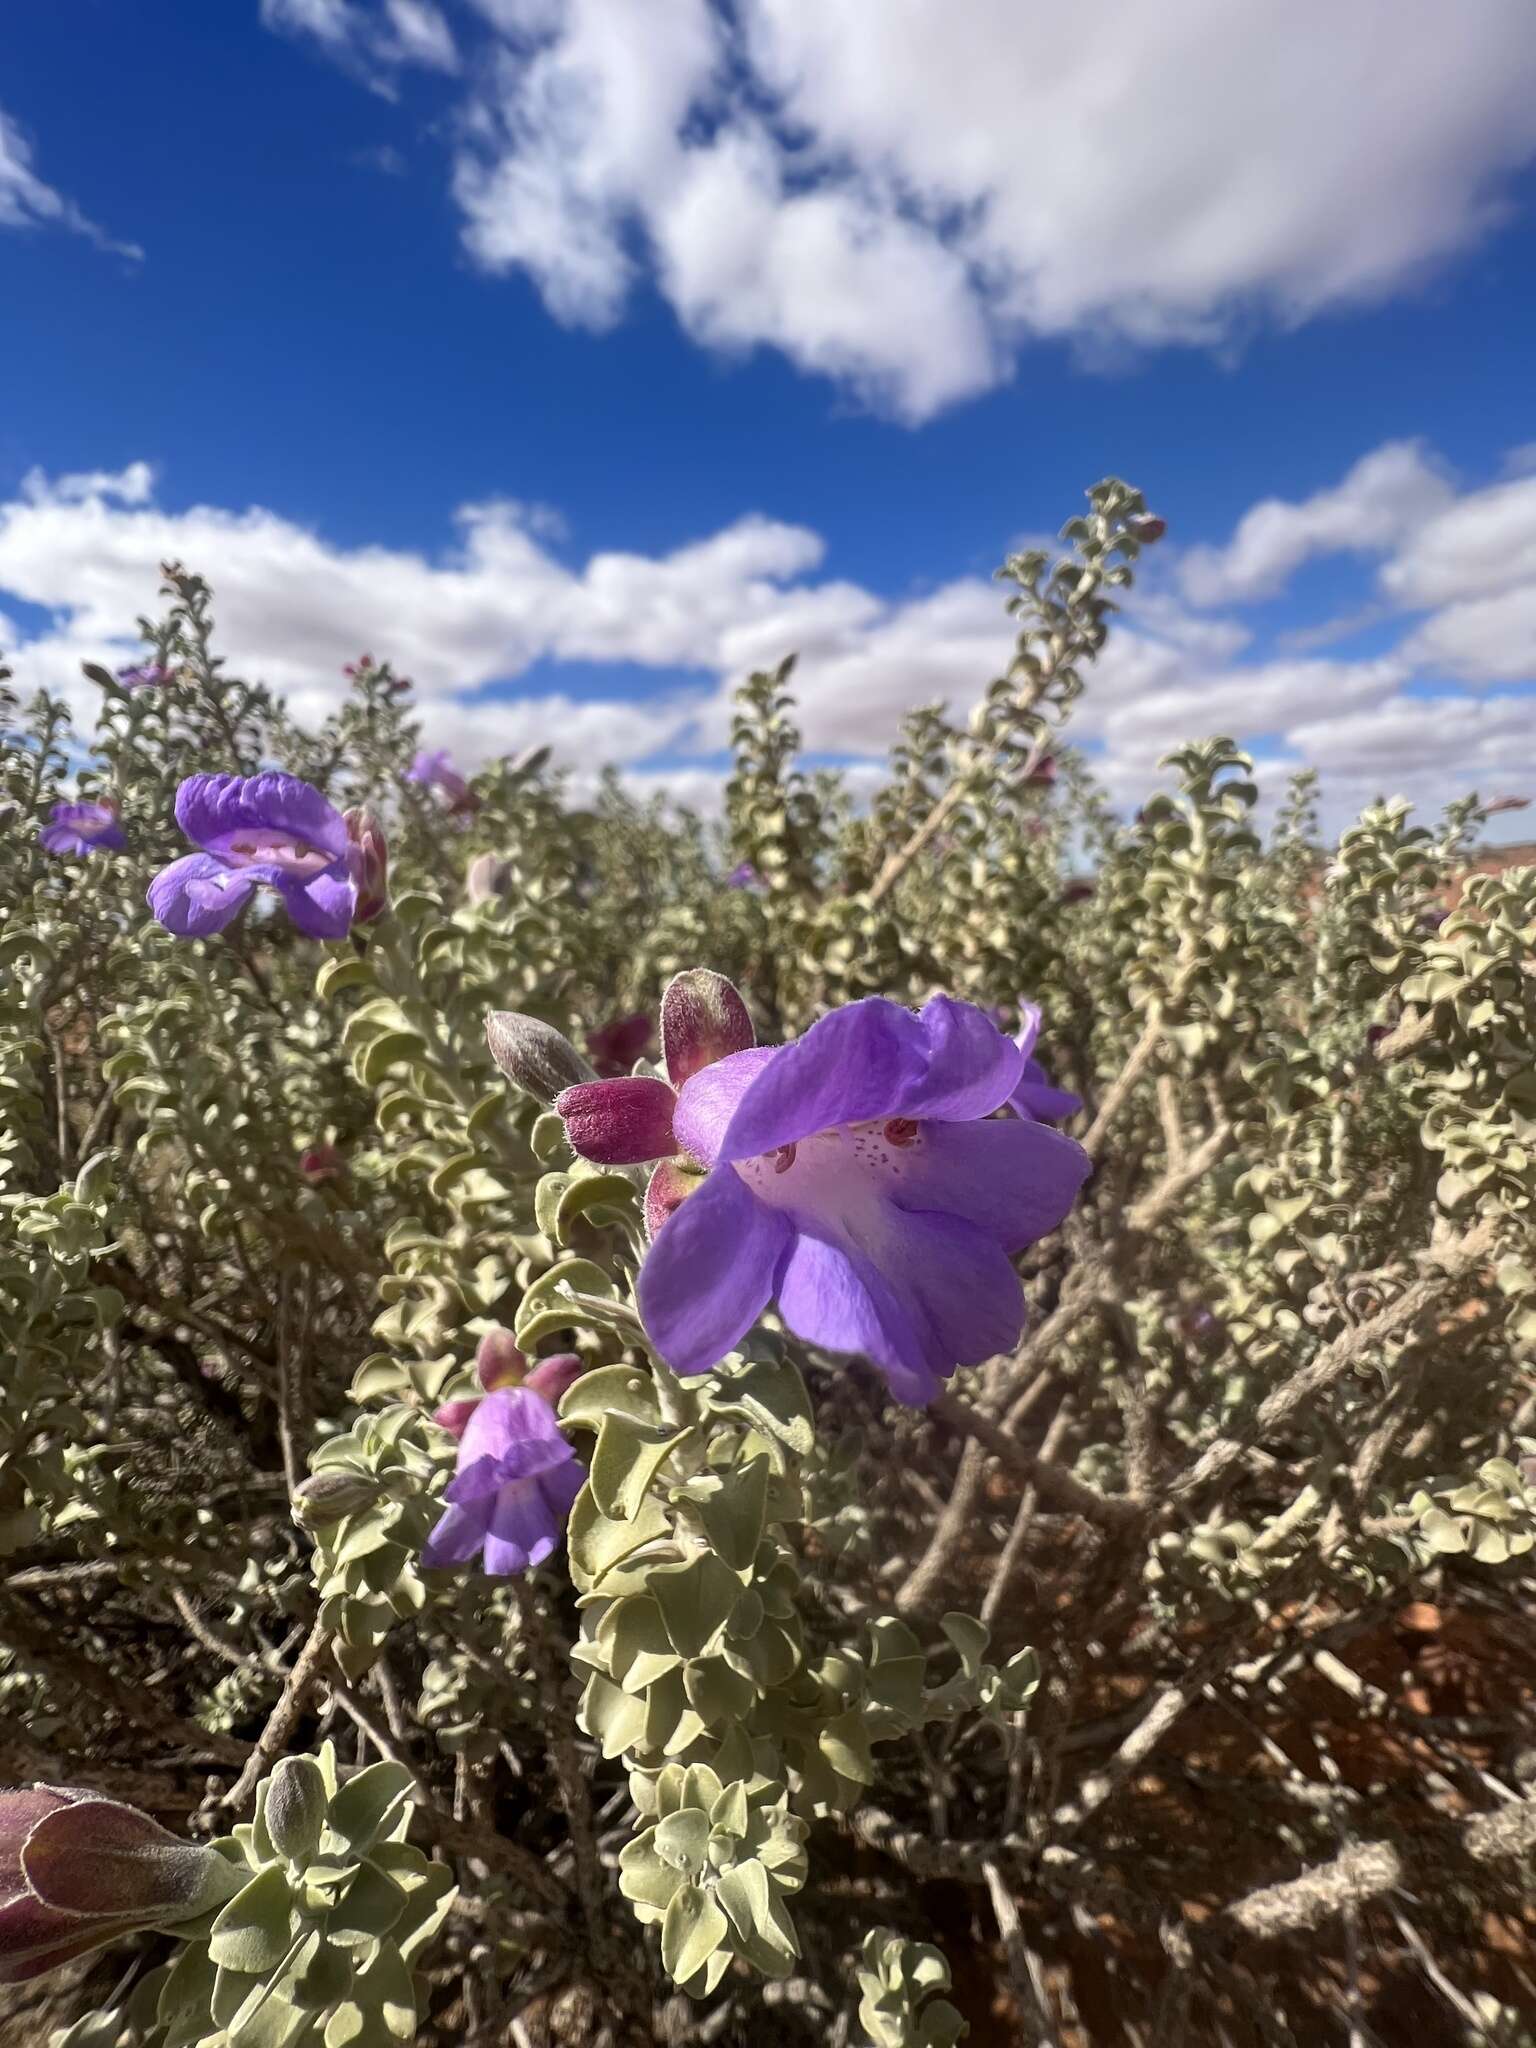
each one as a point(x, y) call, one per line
point(261, 1199)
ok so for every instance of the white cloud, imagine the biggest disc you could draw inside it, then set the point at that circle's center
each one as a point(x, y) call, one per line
point(26, 202)
point(898, 196)
point(506, 607)
point(1384, 498)
point(373, 40)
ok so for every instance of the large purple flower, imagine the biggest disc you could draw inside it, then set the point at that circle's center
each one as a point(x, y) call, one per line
point(83, 828)
point(144, 675)
point(269, 831)
point(1036, 1095)
point(861, 1177)
point(517, 1477)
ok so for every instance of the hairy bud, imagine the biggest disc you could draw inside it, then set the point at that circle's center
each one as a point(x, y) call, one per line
point(541, 1060)
point(367, 863)
point(329, 1494)
point(295, 1808)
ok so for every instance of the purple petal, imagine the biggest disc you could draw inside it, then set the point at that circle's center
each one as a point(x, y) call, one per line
point(212, 809)
point(1015, 1181)
point(524, 1529)
point(512, 1434)
point(703, 1019)
point(321, 908)
point(1029, 1027)
point(823, 1300)
point(63, 839)
point(197, 895)
point(944, 1294)
point(457, 1537)
point(711, 1271)
point(621, 1122)
point(875, 1059)
point(710, 1099)
point(1036, 1097)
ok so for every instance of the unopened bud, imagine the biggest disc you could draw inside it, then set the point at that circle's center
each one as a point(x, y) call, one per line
point(1148, 530)
point(295, 1808)
point(329, 1494)
point(529, 762)
point(542, 1061)
point(367, 863)
point(454, 1415)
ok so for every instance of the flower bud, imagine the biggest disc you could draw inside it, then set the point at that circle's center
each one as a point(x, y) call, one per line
point(329, 1494)
point(1148, 530)
point(529, 762)
point(536, 1056)
point(552, 1376)
point(367, 863)
point(498, 1362)
point(614, 1047)
point(703, 1019)
point(296, 1807)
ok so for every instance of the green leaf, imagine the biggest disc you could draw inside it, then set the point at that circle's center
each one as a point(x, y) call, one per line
point(621, 1389)
point(763, 1927)
point(626, 1459)
point(691, 1932)
point(682, 1839)
point(696, 1600)
point(732, 1506)
point(254, 1932)
point(365, 1805)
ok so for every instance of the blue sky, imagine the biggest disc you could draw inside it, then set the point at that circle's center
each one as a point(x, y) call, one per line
point(772, 326)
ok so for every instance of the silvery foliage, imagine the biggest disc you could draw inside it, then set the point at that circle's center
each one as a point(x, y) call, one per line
point(1274, 1383)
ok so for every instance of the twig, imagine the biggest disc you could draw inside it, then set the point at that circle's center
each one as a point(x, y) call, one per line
point(1053, 1483)
point(284, 1717)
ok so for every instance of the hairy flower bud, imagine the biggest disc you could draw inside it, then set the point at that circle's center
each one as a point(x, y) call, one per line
point(329, 1494)
point(321, 1163)
point(367, 863)
point(1148, 530)
point(542, 1061)
point(295, 1808)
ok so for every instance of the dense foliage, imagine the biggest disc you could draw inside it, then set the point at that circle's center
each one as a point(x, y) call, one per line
point(1095, 1699)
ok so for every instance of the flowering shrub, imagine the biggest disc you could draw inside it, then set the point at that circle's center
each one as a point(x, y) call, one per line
point(969, 1463)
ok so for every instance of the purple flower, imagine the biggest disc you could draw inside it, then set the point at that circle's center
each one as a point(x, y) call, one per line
point(436, 771)
point(744, 876)
point(499, 1363)
point(146, 675)
point(82, 828)
point(516, 1479)
point(860, 1177)
point(1035, 1096)
point(269, 831)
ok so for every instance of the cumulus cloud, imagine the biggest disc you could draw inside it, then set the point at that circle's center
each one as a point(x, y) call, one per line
point(1384, 498)
point(485, 625)
point(27, 202)
point(900, 196)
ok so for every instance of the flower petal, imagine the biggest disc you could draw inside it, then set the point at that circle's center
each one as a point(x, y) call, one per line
point(211, 809)
point(1014, 1180)
point(524, 1529)
point(711, 1097)
point(824, 1301)
point(621, 1122)
point(511, 1435)
point(702, 1020)
point(197, 895)
point(711, 1271)
point(1037, 1097)
point(1029, 1027)
point(945, 1294)
point(322, 907)
point(457, 1537)
point(875, 1059)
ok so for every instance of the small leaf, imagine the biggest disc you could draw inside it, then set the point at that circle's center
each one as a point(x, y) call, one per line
point(254, 1932)
point(691, 1932)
